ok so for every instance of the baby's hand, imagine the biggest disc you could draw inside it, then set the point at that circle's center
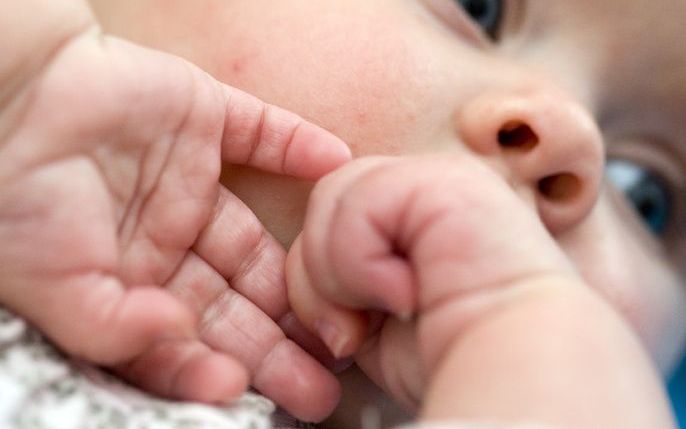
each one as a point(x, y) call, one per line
point(441, 236)
point(111, 210)
point(435, 276)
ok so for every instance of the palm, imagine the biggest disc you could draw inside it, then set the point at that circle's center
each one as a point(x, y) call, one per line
point(110, 199)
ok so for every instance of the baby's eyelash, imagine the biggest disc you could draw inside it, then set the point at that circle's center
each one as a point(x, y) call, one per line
point(453, 15)
point(487, 14)
point(648, 192)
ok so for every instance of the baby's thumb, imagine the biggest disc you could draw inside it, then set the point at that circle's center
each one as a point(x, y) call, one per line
point(343, 330)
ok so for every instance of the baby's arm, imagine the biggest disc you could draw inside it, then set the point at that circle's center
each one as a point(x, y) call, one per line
point(503, 328)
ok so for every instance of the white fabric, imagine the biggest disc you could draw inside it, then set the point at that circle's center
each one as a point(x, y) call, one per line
point(40, 389)
point(474, 425)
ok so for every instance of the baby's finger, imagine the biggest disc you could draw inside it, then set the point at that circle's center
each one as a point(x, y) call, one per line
point(353, 209)
point(370, 241)
point(187, 370)
point(311, 343)
point(270, 138)
point(432, 234)
point(237, 246)
point(380, 356)
point(342, 330)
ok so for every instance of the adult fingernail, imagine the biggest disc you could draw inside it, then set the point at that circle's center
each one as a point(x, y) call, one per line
point(339, 150)
point(334, 339)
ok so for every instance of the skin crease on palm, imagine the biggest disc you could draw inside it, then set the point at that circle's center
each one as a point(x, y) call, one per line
point(399, 77)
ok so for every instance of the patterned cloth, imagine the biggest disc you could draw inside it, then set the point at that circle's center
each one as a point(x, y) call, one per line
point(41, 389)
point(476, 425)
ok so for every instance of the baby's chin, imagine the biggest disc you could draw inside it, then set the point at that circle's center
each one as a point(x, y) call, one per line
point(278, 201)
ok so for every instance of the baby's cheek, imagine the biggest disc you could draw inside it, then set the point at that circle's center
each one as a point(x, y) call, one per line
point(351, 73)
point(355, 74)
point(621, 261)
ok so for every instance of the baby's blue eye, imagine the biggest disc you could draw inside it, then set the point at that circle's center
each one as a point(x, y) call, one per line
point(486, 13)
point(650, 194)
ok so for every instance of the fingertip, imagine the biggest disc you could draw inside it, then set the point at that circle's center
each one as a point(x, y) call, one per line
point(314, 152)
point(125, 329)
point(144, 316)
point(342, 337)
point(383, 283)
point(159, 314)
point(211, 378)
point(298, 383)
point(311, 343)
point(342, 330)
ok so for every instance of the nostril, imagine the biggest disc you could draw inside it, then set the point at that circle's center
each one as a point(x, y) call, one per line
point(517, 135)
point(560, 187)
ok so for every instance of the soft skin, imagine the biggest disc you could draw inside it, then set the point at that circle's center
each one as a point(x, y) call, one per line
point(405, 77)
point(110, 160)
point(486, 319)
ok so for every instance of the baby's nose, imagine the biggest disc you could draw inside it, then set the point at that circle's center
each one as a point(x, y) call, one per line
point(547, 141)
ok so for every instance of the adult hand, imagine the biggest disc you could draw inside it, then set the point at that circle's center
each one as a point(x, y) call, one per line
point(111, 210)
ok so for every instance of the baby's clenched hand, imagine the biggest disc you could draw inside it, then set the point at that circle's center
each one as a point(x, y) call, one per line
point(118, 241)
point(450, 293)
point(442, 238)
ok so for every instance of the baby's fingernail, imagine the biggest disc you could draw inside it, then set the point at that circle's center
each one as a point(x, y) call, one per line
point(334, 339)
point(340, 365)
point(402, 312)
point(404, 315)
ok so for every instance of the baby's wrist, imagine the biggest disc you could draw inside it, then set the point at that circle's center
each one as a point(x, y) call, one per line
point(552, 353)
point(445, 325)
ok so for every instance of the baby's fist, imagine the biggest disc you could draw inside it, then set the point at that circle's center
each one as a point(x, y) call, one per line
point(440, 238)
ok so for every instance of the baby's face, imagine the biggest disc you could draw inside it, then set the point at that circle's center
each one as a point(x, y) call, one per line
point(417, 76)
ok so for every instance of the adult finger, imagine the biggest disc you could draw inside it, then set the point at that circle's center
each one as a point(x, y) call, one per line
point(233, 325)
point(188, 370)
point(280, 369)
point(144, 95)
point(95, 317)
point(237, 246)
point(270, 138)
